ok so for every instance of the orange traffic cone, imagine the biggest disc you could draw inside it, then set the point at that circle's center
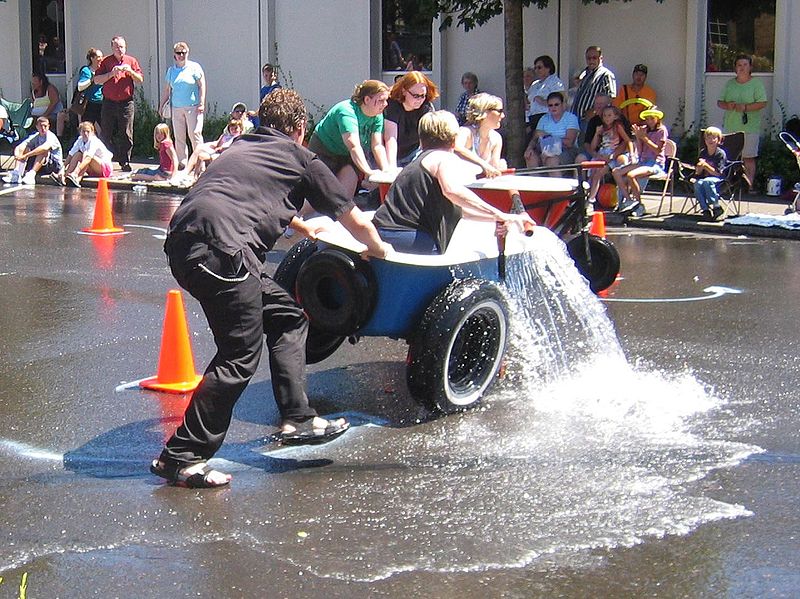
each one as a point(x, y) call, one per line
point(103, 223)
point(598, 226)
point(175, 364)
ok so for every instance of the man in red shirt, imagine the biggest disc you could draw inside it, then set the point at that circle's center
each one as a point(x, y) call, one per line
point(117, 74)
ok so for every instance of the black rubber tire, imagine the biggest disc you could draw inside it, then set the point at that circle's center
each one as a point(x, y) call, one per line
point(604, 267)
point(319, 345)
point(458, 347)
point(337, 291)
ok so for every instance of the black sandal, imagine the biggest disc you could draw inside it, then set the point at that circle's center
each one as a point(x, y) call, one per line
point(173, 473)
point(305, 433)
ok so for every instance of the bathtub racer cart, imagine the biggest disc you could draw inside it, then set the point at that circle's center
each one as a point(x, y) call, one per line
point(449, 308)
point(558, 203)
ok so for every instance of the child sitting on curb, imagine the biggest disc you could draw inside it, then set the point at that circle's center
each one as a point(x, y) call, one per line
point(167, 158)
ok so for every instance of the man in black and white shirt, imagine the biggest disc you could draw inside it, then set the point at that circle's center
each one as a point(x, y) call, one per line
point(595, 79)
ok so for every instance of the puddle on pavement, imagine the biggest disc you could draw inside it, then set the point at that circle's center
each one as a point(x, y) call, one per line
point(578, 450)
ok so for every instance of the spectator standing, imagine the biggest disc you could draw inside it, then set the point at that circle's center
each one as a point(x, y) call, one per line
point(185, 92)
point(546, 83)
point(409, 100)
point(594, 79)
point(743, 99)
point(92, 91)
point(469, 81)
point(270, 75)
point(636, 90)
point(117, 74)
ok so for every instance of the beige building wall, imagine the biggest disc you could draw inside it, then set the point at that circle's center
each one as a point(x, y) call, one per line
point(327, 46)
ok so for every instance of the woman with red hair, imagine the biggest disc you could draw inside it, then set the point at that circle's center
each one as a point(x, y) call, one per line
point(409, 100)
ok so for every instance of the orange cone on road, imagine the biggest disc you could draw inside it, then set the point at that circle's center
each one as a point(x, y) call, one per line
point(598, 226)
point(103, 223)
point(175, 364)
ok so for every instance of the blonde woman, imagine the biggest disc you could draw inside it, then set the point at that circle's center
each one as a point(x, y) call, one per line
point(349, 138)
point(167, 159)
point(478, 141)
point(185, 92)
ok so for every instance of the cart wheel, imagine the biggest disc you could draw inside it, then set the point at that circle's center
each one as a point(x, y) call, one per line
point(458, 347)
point(319, 345)
point(603, 268)
point(337, 290)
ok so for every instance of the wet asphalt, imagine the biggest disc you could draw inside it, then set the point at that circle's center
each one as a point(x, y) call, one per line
point(673, 474)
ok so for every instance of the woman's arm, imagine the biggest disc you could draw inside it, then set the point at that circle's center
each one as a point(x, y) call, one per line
point(463, 150)
point(497, 148)
point(83, 81)
point(174, 157)
point(568, 141)
point(164, 96)
point(390, 142)
point(379, 152)
point(52, 93)
point(353, 144)
point(201, 86)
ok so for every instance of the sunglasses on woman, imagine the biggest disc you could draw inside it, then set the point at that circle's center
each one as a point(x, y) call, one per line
point(417, 96)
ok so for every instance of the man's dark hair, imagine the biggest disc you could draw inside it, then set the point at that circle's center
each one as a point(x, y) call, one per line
point(284, 110)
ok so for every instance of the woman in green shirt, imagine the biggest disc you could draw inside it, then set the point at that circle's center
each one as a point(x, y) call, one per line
point(743, 99)
point(349, 138)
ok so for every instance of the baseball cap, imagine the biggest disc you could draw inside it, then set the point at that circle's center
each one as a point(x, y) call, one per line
point(239, 106)
point(641, 68)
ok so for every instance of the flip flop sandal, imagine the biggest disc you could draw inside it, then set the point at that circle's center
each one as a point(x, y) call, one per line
point(196, 480)
point(305, 433)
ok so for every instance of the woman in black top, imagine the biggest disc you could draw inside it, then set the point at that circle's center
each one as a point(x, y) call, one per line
point(409, 99)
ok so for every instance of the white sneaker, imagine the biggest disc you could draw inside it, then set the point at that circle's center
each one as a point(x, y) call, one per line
point(29, 178)
point(12, 178)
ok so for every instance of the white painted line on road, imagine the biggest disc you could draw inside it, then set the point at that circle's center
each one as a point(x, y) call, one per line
point(159, 229)
point(126, 386)
point(13, 188)
point(29, 451)
point(713, 292)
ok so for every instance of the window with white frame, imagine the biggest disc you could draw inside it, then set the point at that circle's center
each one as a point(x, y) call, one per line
point(740, 27)
point(407, 27)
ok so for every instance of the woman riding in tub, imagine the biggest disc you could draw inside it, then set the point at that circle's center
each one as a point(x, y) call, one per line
point(650, 140)
point(426, 201)
point(611, 144)
point(478, 141)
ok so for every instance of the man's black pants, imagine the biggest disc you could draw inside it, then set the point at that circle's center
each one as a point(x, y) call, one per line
point(242, 312)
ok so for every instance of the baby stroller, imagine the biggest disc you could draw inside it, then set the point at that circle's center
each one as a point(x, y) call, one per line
point(791, 142)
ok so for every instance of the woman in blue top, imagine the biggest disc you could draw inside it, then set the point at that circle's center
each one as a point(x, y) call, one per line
point(93, 92)
point(185, 92)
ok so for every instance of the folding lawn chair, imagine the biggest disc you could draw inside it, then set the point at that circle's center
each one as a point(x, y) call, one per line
point(733, 182)
point(19, 119)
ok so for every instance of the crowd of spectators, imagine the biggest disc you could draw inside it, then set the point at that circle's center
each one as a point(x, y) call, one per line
point(376, 129)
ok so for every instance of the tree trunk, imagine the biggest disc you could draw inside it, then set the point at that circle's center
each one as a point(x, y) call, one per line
point(515, 104)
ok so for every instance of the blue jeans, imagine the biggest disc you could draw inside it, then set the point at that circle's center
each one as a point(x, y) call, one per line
point(705, 190)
